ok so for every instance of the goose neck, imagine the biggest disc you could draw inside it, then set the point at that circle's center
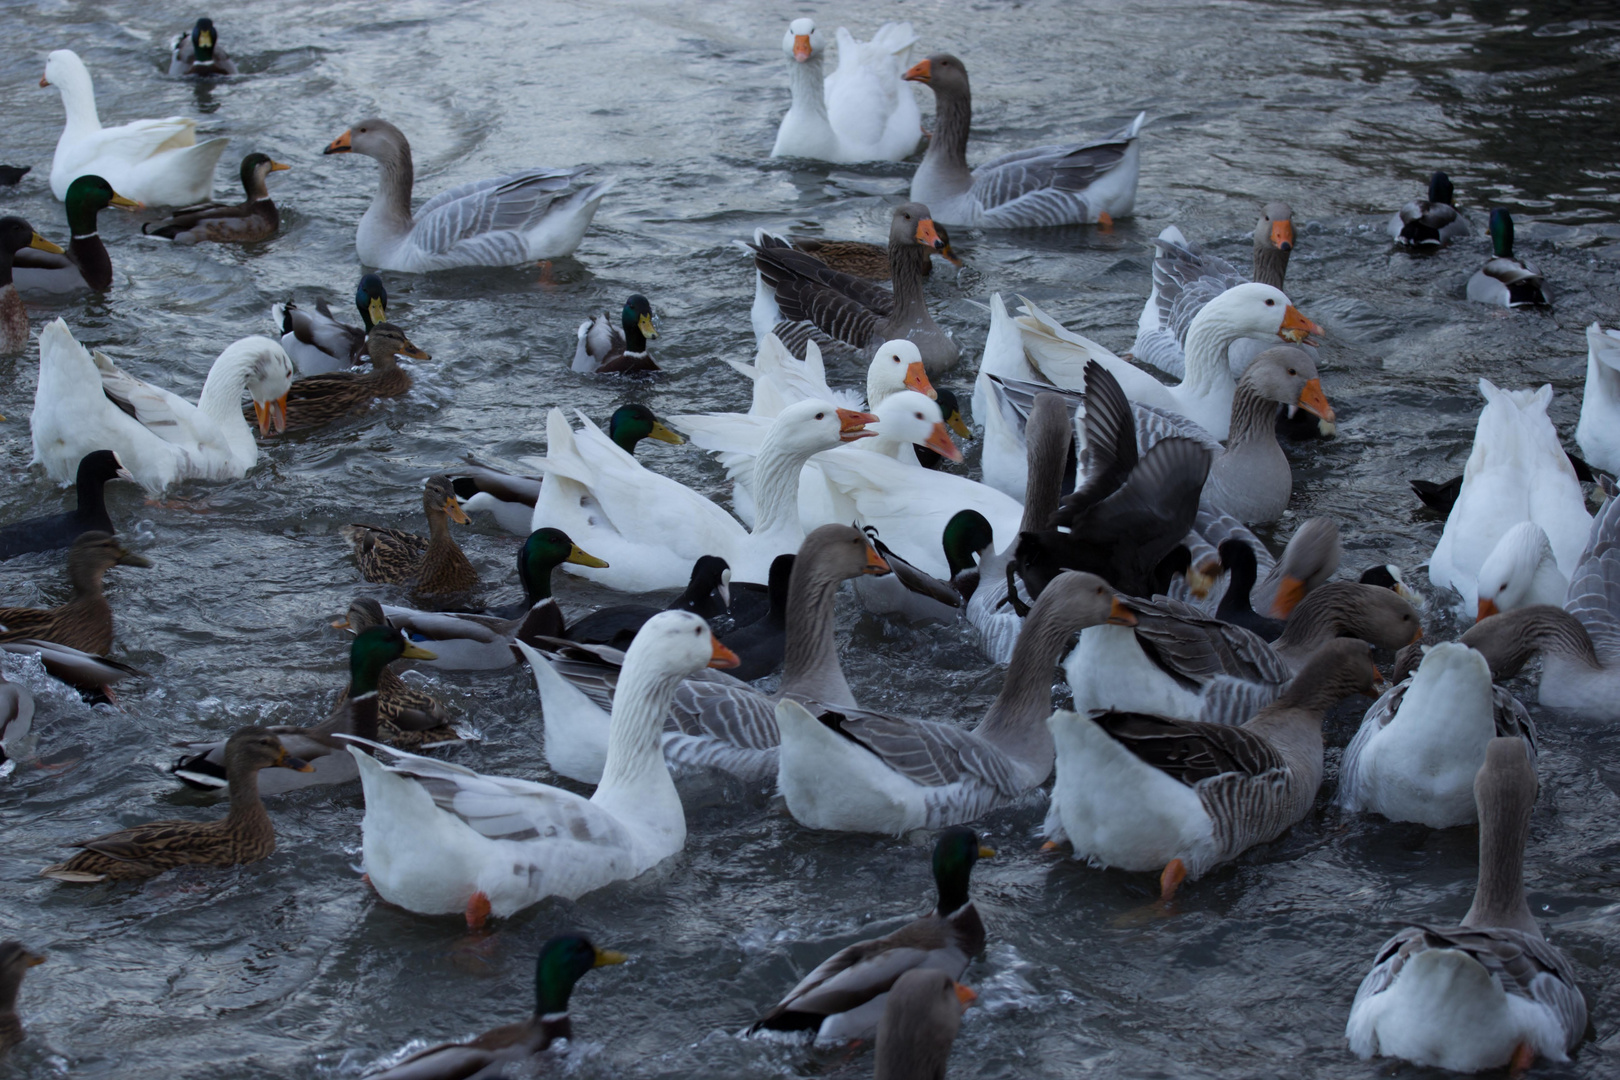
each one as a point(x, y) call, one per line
point(810, 666)
point(395, 180)
point(908, 265)
point(1254, 418)
point(221, 398)
point(776, 483)
point(1270, 263)
point(1499, 895)
point(808, 83)
point(946, 157)
point(79, 102)
point(1015, 720)
point(1208, 338)
point(635, 756)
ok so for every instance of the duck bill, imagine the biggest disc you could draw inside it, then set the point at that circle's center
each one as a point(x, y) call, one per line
point(277, 166)
point(38, 241)
point(922, 71)
point(917, 379)
point(801, 47)
point(1296, 327)
point(34, 959)
point(1120, 615)
point(939, 441)
point(127, 204)
point(378, 310)
point(852, 425)
point(986, 851)
point(928, 236)
point(410, 350)
point(296, 764)
point(341, 624)
point(875, 563)
point(413, 651)
point(1201, 579)
point(129, 558)
point(340, 145)
point(1290, 591)
point(609, 957)
point(662, 433)
point(965, 994)
point(1312, 400)
point(720, 656)
point(645, 324)
point(452, 506)
point(581, 558)
point(1282, 235)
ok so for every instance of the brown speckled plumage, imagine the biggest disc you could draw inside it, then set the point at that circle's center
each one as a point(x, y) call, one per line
point(85, 621)
point(320, 399)
point(434, 566)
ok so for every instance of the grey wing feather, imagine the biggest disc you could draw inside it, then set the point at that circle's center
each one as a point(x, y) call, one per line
point(1154, 425)
point(1196, 647)
point(931, 754)
point(1594, 588)
point(1187, 279)
point(727, 709)
point(1232, 702)
point(483, 210)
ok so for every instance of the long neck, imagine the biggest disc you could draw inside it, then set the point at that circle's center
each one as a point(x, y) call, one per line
point(1314, 621)
point(92, 499)
point(776, 485)
point(908, 266)
point(79, 101)
point(1239, 584)
point(1270, 263)
point(1044, 488)
point(1254, 418)
point(1508, 641)
point(1499, 896)
point(247, 810)
point(947, 149)
point(396, 177)
point(221, 400)
point(634, 777)
point(810, 666)
point(1208, 338)
point(808, 82)
point(1016, 719)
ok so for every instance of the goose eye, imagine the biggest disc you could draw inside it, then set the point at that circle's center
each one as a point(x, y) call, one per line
point(1291, 371)
point(918, 415)
point(821, 416)
point(1270, 302)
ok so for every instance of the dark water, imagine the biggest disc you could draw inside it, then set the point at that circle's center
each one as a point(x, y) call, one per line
point(291, 967)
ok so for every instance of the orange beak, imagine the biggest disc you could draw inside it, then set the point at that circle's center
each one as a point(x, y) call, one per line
point(1378, 677)
point(1282, 235)
point(939, 441)
point(852, 425)
point(457, 514)
point(965, 994)
point(721, 657)
point(1296, 327)
point(922, 71)
point(1120, 615)
point(928, 236)
point(1312, 400)
point(917, 379)
point(339, 145)
point(874, 562)
point(1417, 635)
point(410, 350)
point(801, 47)
point(1289, 593)
point(948, 255)
point(43, 81)
point(271, 413)
point(1487, 608)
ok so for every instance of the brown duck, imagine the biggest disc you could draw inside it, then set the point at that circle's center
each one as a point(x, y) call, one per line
point(320, 399)
point(407, 717)
point(254, 218)
point(242, 836)
point(85, 621)
point(14, 964)
point(434, 566)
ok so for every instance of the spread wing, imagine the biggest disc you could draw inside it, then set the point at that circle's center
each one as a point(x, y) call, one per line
point(1186, 279)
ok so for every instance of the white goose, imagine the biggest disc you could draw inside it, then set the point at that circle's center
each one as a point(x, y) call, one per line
point(861, 112)
point(439, 839)
point(1490, 991)
point(1598, 433)
point(650, 529)
point(1419, 747)
point(158, 162)
point(503, 221)
point(1520, 570)
point(85, 404)
point(1517, 471)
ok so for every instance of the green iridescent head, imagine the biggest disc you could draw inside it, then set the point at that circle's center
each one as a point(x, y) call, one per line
point(629, 424)
point(543, 552)
point(86, 197)
point(563, 961)
point(1502, 233)
point(374, 649)
point(637, 319)
point(966, 535)
point(955, 852)
point(371, 300)
point(203, 39)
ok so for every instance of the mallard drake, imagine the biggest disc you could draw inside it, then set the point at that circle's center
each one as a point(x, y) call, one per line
point(244, 835)
point(198, 53)
point(85, 621)
point(15, 961)
point(255, 218)
point(60, 530)
point(858, 258)
point(158, 162)
point(85, 264)
point(407, 717)
point(317, 342)
point(16, 235)
point(1145, 792)
point(503, 221)
point(862, 111)
point(845, 996)
point(1428, 223)
point(605, 348)
point(207, 765)
point(1490, 991)
point(1598, 433)
point(1506, 280)
point(1080, 183)
point(563, 961)
point(919, 1024)
point(439, 839)
point(1416, 754)
point(315, 400)
point(86, 403)
point(434, 566)
point(16, 720)
point(799, 298)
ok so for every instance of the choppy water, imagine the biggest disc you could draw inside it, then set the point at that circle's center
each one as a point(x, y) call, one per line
point(291, 967)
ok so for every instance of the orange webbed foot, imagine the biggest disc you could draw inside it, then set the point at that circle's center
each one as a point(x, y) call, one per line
point(1175, 872)
point(1105, 221)
point(1523, 1057)
point(477, 911)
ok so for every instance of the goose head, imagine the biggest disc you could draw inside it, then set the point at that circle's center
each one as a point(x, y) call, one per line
point(809, 427)
point(803, 41)
point(1252, 310)
point(1078, 599)
point(1508, 575)
point(942, 73)
point(677, 643)
point(909, 417)
point(1311, 557)
point(1287, 375)
point(268, 373)
point(897, 366)
point(1276, 227)
point(65, 71)
point(375, 138)
point(912, 224)
point(837, 553)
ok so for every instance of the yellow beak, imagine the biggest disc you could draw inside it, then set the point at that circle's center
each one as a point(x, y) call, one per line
point(648, 330)
point(664, 434)
point(580, 558)
point(414, 651)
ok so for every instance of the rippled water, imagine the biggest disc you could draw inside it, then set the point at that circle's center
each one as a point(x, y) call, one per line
point(292, 968)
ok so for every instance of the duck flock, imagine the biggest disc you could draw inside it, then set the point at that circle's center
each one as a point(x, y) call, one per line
point(1167, 675)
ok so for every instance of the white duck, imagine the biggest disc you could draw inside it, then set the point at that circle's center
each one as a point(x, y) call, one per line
point(1204, 396)
point(1490, 991)
point(1517, 471)
point(158, 162)
point(1598, 433)
point(1420, 745)
point(503, 221)
point(439, 839)
point(861, 112)
point(650, 529)
point(780, 379)
point(1520, 571)
point(85, 404)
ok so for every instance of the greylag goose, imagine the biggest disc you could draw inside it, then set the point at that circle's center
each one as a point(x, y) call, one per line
point(799, 298)
point(1076, 183)
point(1251, 479)
point(504, 221)
point(1507, 280)
point(1490, 991)
point(1428, 223)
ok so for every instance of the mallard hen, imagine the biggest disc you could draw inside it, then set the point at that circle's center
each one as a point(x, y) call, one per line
point(85, 264)
point(320, 399)
point(85, 621)
point(16, 235)
point(432, 566)
point(254, 218)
